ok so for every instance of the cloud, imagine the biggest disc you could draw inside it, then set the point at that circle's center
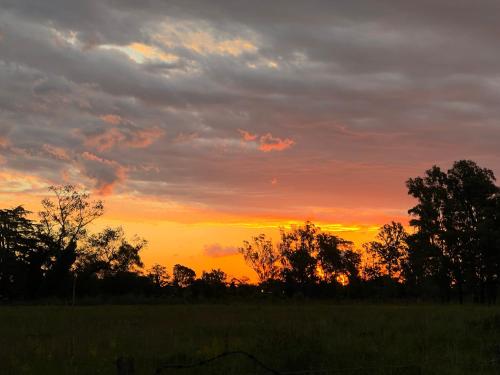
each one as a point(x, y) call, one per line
point(111, 119)
point(217, 250)
point(145, 137)
point(57, 152)
point(14, 182)
point(247, 136)
point(106, 174)
point(372, 93)
point(126, 136)
point(269, 143)
point(104, 140)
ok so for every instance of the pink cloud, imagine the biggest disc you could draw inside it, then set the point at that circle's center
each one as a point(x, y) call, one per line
point(247, 136)
point(269, 143)
point(137, 138)
point(217, 250)
point(106, 140)
point(56, 152)
point(144, 138)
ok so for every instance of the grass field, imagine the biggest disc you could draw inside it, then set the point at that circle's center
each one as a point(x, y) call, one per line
point(357, 339)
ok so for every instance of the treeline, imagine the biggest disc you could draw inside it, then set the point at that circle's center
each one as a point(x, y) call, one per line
point(451, 251)
point(56, 256)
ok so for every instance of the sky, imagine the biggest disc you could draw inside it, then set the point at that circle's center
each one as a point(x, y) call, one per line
point(203, 123)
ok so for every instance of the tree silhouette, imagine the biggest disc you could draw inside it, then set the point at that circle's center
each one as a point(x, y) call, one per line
point(298, 249)
point(21, 256)
point(109, 252)
point(337, 258)
point(183, 276)
point(64, 218)
point(454, 211)
point(262, 256)
point(214, 277)
point(159, 275)
point(63, 222)
point(390, 250)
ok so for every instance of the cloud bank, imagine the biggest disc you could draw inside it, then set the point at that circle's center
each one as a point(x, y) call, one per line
point(205, 104)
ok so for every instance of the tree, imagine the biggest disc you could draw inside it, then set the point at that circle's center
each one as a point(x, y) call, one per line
point(337, 258)
point(109, 252)
point(65, 217)
point(15, 229)
point(63, 222)
point(298, 249)
point(390, 250)
point(262, 256)
point(159, 275)
point(453, 213)
point(21, 256)
point(215, 277)
point(429, 259)
point(489, 237)
point(183, 276)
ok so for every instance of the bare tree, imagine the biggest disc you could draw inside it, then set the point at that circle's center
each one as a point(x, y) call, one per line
point(65, 217)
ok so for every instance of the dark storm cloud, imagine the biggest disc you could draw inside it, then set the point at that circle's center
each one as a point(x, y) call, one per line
point(215, 102)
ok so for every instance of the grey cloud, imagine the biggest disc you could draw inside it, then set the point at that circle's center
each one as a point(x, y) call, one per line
point(105, 173)
point(370, 94)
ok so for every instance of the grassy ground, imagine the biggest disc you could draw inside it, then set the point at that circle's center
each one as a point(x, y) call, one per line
point(367, 339)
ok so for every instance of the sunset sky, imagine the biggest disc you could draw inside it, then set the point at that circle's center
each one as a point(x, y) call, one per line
point(203, 123)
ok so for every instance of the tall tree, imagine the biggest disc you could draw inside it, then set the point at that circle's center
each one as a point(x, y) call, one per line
point(21, 256)
point(64, 218)
point(63, 222)
point(299, 248)
point(262, 256)
point(453, 212)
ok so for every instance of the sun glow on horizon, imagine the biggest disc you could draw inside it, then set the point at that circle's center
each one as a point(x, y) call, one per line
point(182, 234)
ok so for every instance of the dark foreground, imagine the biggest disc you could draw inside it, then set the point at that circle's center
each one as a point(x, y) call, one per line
point(360, 339)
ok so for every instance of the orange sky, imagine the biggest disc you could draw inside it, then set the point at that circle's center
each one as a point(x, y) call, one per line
point(200, 239)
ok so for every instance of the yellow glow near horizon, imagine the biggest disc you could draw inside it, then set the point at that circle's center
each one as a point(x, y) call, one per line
point(178, 233)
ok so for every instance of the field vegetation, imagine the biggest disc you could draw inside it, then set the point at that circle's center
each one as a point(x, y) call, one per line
point(344, 339)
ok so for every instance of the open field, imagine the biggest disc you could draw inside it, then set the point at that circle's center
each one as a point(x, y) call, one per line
point(360, 339)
